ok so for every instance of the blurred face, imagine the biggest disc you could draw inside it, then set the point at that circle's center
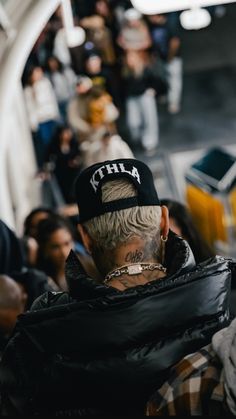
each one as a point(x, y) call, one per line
point(102, 8)
point(132, 59)
point(157, 19)
point(58, 247)
point(94, 65)
point(37, 74)
point(53, 64)
point(66, 135)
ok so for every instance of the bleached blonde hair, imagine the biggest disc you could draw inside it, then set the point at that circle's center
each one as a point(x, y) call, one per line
point(114, 228)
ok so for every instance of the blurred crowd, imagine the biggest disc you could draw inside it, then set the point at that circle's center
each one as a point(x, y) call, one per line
point(100, 100)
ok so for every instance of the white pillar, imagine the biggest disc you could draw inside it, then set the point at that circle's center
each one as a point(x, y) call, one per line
point(24, 192)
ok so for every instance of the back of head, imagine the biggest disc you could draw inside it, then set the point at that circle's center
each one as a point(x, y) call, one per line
point(118, 203)
point(113, 228)
point(10, 293)
point(11, 303)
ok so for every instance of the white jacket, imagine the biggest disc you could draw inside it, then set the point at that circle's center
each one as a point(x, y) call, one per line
point(41, 103)
point(97, 152)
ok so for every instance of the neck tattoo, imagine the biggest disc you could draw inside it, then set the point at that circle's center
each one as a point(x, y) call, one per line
point(133, 269)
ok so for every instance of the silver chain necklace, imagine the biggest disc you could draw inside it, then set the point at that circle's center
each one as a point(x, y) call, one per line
point(133, 269)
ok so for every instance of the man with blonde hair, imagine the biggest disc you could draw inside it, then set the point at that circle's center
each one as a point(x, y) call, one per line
point(105, 346)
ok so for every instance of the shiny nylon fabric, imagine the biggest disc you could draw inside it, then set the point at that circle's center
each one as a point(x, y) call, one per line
point(112, 350)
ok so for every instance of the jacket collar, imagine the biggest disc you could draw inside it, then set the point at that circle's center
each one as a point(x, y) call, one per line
point(178, 260)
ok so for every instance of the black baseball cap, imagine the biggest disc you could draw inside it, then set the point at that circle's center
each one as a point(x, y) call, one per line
point(89, 182)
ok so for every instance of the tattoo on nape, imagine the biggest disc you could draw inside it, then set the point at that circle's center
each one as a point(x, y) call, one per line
point(134, 257)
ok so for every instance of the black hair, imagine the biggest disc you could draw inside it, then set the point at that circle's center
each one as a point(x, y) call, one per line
point(45, 229)
point(54, 144)
point(60, 128)
point(185, 222)
point(30, 216)
point(47, 67)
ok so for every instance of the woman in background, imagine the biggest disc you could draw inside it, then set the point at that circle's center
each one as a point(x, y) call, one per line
point(63, 80)
point(55, 240)
point(42, 109)
point(141, 108)
point(63, 154)
point(183, 225)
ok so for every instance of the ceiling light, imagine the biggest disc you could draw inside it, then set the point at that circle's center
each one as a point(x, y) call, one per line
point(147, 7)
point(195, 19)
point(75, 36)
point(152, 7)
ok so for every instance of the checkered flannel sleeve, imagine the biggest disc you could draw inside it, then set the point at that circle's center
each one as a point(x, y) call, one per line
point(193, 383)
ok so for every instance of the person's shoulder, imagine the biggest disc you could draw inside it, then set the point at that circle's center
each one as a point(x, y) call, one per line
point(216, 262)
point(51, 299)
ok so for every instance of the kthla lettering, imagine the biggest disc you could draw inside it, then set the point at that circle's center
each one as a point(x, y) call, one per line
point(109, 169)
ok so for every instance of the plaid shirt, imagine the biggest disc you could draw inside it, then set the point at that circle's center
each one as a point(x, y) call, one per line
point(195, 387)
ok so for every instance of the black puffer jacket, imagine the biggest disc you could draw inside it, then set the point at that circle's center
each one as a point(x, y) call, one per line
point(106, 350)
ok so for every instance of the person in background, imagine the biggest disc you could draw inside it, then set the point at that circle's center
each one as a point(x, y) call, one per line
point(43, 46)
point(105, 9)
point(106, 346)
point(203, 383)
point(33, 219)
point(77, 112)
point(108, 147)
point(90, 110)
point(101, 76)
point(101, 110)
point(64, 158)
point(166, 48)
point(55, 240)
point(12, 303)
point(181, 223)
point(134, 33)
point(63, 81)
point(141, 107)
point(13, 264)
point(42, 108)
point(31, 238)
point(100, 35)
point(30, 233)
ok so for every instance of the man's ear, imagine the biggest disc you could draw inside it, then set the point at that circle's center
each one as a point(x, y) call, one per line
point(86, 239)
point(165, 224)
